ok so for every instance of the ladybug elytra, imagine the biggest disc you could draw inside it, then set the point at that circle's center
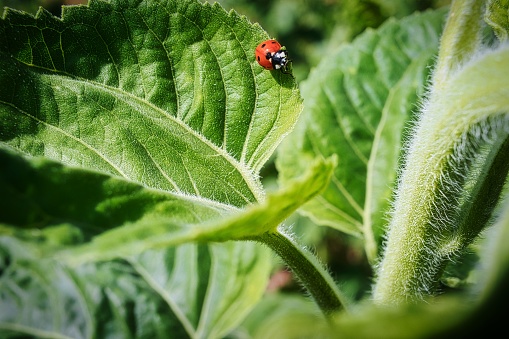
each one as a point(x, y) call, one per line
point(271, 55)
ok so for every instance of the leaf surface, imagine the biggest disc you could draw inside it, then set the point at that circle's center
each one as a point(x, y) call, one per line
point(164, 93)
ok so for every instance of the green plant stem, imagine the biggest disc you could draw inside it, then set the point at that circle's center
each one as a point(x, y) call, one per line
point(455, 166)
point(460, 39)
point(455, 169)
point(308, 270)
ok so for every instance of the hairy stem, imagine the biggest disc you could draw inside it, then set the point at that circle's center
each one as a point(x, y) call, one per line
point(460, 39)
point(308, 270)
point(454, 169)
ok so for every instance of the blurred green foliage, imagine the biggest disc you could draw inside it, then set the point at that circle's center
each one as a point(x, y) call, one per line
point(311, 28)
point(308, 28)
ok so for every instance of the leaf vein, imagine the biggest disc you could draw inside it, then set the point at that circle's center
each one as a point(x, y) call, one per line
point(346, 135)
point(70, 136)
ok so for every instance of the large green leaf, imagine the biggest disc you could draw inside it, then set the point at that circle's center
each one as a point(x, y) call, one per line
point(38, 193)
point(167, 96)
point(165, 93)
point(357, 102)
point(41, 205)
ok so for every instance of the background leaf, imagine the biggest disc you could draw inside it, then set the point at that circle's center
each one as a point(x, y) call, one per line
point(375, 79)
point(231, 291)
point(151, 296)
point(284, 316)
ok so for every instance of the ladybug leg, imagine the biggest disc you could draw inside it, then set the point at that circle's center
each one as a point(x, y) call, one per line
point(285, 70)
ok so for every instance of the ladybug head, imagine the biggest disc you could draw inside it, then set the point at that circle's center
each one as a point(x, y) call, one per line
point(280, 60)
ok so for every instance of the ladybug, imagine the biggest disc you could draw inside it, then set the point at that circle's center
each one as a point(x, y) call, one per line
point(271, 55)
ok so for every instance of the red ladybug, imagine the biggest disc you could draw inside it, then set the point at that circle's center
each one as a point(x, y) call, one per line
point(270, 55)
